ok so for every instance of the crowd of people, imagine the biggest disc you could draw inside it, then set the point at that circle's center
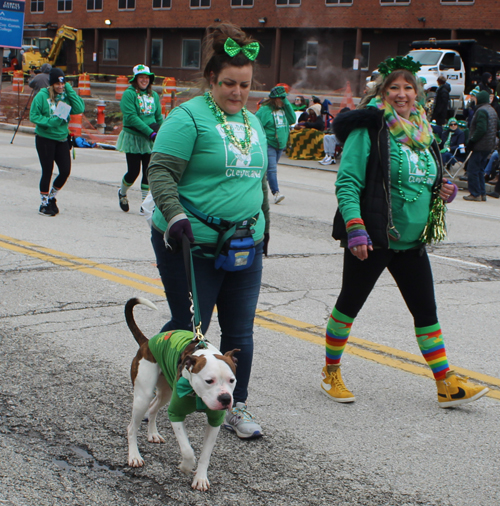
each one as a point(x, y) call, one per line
point(391, 188)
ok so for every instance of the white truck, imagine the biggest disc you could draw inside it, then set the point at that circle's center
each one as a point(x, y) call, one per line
point(461, 61)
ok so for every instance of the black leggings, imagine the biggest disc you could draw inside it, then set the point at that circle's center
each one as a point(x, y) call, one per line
point(50, 151)
point(134, 167)
point(410, 269)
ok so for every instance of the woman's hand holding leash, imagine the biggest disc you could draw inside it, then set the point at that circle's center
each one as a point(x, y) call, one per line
point(173, 235)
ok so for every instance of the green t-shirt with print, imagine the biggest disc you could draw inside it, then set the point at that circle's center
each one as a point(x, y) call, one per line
point(219, 179)
point(409, 218)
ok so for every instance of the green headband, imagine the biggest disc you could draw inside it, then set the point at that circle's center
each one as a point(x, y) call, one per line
point(232, 48)
point(398, 63)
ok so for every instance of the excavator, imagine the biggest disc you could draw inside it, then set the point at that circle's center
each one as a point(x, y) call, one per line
point(48, 50)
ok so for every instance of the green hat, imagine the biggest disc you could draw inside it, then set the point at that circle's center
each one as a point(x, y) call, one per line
point(452, 120)
point(475, 91)
point(278, 92)
point(140, 70)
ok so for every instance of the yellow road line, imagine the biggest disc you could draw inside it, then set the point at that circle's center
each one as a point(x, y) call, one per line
point(362, 348)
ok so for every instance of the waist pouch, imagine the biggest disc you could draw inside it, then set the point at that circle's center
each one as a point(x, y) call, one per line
point(237, 252)
point(235, 249)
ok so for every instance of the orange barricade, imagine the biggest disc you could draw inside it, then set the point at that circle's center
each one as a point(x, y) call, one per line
point(169, 84)
point(84, 85)
point(75, 124)
point(287, 88)
point(121, 86)
point(18, 81)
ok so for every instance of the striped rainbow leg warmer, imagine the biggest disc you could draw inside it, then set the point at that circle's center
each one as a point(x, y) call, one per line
point(431, 344)
point(337, 334)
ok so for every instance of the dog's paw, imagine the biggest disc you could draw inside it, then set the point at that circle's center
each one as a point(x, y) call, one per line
point(200, 483)
point(135, 461)
point(187, 465)
point(155, 438)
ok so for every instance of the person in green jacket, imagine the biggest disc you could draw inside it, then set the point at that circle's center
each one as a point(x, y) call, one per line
point(276, 115)
point(142, 118)
point(50, 112)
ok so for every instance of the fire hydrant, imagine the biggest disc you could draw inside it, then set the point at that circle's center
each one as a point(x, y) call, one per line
point(101, 126)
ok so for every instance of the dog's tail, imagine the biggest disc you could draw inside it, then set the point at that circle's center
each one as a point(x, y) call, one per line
point(129, 317)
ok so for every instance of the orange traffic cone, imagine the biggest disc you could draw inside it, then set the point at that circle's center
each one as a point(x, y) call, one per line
point(75, 124)
point(169, 85)
point(18, 81)
point(347, 100)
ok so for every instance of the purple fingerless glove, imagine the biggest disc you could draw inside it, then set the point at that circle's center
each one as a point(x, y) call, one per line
point(153, 136)
point(356, 234)
point(451, 198)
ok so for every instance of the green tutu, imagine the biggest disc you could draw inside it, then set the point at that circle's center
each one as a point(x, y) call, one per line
point(130, 143)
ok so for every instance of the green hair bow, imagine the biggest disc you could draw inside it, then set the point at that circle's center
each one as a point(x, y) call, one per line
point(232, 48)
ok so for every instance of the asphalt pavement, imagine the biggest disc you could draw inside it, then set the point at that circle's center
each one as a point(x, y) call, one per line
point(65, 393)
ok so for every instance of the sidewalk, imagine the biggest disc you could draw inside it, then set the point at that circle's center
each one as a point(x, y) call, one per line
point(307, 164)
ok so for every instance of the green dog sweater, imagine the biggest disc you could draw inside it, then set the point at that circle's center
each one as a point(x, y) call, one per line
point(167, 348)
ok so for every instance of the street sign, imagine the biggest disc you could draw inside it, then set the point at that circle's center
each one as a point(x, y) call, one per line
point(11, 23)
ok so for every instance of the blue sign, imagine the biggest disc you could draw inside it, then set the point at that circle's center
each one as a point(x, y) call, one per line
point(11, 23)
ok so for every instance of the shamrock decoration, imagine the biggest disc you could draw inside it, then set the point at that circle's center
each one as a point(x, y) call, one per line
point(398, 63)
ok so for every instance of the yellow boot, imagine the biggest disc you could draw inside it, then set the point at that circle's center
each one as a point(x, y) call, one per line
point(333, 386)
point(454, 391)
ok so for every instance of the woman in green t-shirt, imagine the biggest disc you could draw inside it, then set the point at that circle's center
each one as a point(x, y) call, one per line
point(210, 157)
point(142, 118)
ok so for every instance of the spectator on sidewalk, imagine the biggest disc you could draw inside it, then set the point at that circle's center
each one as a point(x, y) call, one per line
point(453, 143)
point(482, 139)
point(314, 119)
point(441, 101)
point(276, 115)
point(41, 80)
point(330, 144)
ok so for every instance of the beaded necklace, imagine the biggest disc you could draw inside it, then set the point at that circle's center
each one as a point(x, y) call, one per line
point(243, 145)
point(400, 176)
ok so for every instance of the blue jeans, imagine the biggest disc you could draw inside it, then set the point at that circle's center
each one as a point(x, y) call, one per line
point(235, 294)
point(475, 173)
point(273, 157)
point(493, 159)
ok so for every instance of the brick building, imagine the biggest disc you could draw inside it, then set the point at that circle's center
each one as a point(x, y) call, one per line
point(311, 42)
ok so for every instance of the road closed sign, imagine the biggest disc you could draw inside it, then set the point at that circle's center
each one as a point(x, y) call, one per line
point(11, 23)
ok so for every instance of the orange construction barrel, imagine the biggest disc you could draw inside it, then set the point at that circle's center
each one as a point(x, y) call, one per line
point(121, 86)
point(18, 81)
point(84, 85)
point(75, 124)
point(169, 86)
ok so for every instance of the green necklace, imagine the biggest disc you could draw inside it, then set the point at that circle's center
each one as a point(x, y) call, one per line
point(400, 176)
point(244, 145)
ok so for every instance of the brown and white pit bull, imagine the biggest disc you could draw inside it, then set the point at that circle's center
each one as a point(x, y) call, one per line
point(188, 376)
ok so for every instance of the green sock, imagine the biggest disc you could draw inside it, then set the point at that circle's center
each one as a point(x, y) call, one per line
point(144, 191)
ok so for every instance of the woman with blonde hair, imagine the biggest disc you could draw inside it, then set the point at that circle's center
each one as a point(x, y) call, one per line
point(390, 191)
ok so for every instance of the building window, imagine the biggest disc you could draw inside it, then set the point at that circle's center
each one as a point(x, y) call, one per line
point(241, 3)
point(311, 55)
point(156, 52)
point(37, 5)
point(285, 3)
point(392, 2)
point(199, 4)
point(457, 2)
point(126, 5)
point(349, 52)
point(94, 5)
point(162, 4)
point(64, 5)
point(338, 2)
point(110, 49)
point(191, 53)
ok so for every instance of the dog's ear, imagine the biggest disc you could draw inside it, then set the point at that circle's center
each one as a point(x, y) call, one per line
point(188, 362)
point(230, 354)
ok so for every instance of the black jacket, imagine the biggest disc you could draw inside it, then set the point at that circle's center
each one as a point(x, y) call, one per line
point(376, 196)
point(441, 101)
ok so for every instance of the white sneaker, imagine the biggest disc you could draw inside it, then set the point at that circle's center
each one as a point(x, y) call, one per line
point(278, 197)
point(327, 160)
point(242, 423)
